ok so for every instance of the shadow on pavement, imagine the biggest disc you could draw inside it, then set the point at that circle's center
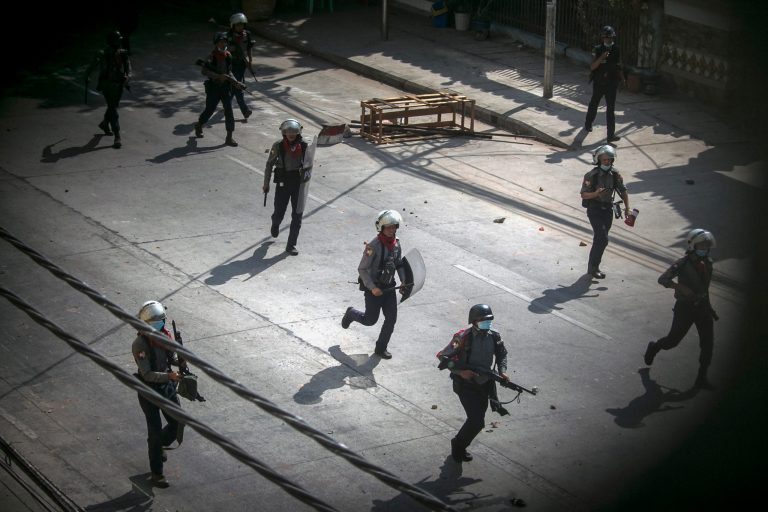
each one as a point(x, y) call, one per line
point(553, 296)
point(138, 499)
point(650, 402)
point(49, 157)
point(358, 368)
point(451, 487)
point(253, 265)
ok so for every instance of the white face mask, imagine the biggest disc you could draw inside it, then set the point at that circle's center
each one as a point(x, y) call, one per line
point(608, 45)
point(606, 167)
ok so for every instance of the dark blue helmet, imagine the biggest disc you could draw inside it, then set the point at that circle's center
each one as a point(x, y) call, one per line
point(480, 312)
point(219, 36)
point(607, 31)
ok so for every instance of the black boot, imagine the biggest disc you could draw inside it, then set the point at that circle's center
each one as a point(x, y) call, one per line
point(198, 130)
point(105, 127)
point(117, 144)
point(701, 380)
point(650, 353)
point(230, 141)
point(458, 453)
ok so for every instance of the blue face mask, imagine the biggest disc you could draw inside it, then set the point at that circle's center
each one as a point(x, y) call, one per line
point(484, 325)
point(158, 325)
point(606, 167)
point(701, 252)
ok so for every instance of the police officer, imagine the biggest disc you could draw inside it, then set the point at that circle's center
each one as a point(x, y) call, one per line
point(694, 273)
point(287, 159)
point(382, 259)
point(240, 42)
point(479, 346)
point(607, 71)
point(598, 192)
point(154, 363)
point(114, 67)
point(218, 88)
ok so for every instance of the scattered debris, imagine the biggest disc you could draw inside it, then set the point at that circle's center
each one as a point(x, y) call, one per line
point(500, 220)
point(517, 502)
point(425, 201)
point(552, 407)
point(582, 244)
point(494, 424)
point(689, 182)
point(541, 189)
point(541, 228)
point(434, 406)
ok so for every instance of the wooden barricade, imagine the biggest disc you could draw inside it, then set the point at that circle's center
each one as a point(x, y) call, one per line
point(416, 117)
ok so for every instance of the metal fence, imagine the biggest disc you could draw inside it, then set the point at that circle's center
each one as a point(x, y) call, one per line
point(578, 21)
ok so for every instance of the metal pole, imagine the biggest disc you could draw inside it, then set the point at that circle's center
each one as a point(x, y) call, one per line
point(549, 48)
point(384, 20)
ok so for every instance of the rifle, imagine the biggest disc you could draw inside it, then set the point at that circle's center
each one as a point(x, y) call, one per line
point(232, 80)
point(265, 199)
point(447, 362)
point(252, 73)
point(185, 371)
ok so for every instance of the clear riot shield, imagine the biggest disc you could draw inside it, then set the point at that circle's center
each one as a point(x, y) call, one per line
point(306, 175)
point(415, 273)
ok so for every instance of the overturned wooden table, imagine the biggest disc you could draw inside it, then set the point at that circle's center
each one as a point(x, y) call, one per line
point(416, 117)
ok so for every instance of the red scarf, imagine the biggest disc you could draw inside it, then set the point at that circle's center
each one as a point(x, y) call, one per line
point(387, 241)
point(295, 148)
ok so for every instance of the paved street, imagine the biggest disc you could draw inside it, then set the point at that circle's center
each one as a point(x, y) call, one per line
point(180, 219)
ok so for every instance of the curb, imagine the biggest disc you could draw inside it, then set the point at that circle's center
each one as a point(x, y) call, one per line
point(481, 113)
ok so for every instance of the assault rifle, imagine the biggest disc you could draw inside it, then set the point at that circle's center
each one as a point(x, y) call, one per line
point(229, 78)
point(447, 362)
point(188, 382)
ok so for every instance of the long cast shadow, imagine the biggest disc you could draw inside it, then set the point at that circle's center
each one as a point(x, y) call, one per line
point(49, 157)
point(358, 368)
point(650, 402)
point(450, 487)
point(252, 265)
point(553, 296)
point(138, 499)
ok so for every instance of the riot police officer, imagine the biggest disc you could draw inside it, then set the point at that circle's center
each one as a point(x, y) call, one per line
point(598, 191)
point(287, 159)
point(694, 273)
point(240, 42)
point(114, 67)
point(607, 71)
point(218, 87)
point(154, 364)
point(482, 348)
point(382, 259)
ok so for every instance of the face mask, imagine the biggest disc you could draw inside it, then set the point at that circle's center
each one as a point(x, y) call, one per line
point(605, 167)
point(608, 45)
point(701, 252)
point(158, 325)
point(484, 325)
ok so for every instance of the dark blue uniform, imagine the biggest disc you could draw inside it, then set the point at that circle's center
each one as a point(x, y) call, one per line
point(605, 80)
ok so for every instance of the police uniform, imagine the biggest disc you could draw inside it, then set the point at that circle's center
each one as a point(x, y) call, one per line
point(377, 269)
point(216, 91)
point(479, 348)
point(600, 209)
point(240, 43)
point(605, 78)
point(287, 160)
point(695, 274)
point(114, 71)
point(154, 364)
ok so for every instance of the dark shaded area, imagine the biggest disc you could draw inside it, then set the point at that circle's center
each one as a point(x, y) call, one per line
point(138, 499)
point(551, 297)
point(358, 368)
point(650, 402)
point(253, 265)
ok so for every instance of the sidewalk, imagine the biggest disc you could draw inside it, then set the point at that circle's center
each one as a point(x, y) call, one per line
point(502, 75)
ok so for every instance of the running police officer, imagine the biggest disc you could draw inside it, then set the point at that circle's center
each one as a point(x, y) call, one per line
point(597, 193)
point(479, 346)
point(382, 259)
point(607, 71)
point(114, 67)
point(154, 362)
point(218, 87)
point(287, 159)
point(694, 273)
point(240, 43)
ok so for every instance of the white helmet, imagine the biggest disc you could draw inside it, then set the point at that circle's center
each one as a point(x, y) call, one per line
point(237, 18)
point(291, 125)
point(387, 218)
point(152, 311)
point(606, 149)
point(697, 236)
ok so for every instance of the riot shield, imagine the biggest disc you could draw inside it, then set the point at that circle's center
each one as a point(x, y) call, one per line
point(306, 174)
point(415, 273)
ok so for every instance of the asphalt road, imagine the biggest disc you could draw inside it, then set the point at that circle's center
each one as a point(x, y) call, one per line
point(180, 219)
